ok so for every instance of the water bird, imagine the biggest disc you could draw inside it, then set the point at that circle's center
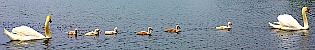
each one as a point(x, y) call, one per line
point(172, 30)
point(111, 32)
point(224, 27)
point(93, 33)
point(73, 32)
point(23, 33)
point(287, 22)
point(144, 32)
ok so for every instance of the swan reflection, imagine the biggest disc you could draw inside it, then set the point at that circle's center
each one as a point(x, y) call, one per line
point(292, 39)
point(45, 42)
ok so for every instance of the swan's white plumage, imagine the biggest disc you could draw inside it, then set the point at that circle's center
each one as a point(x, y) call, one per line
point(27, 31)
point(287, 20)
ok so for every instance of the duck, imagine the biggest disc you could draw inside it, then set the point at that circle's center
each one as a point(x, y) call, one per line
point(224, 27)
point(111, 32)
point(287, 22)
point(93, 33)
point(172, 30)
point(23, 33)
point(145, 32)
point(73, 32)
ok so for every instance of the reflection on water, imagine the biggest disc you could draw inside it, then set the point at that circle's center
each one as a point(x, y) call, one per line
point(46, 42)
point(29, 43)
point(305, 41)
point(227, 30)
point(72, 36)
point(292, 39)
point(109, 36)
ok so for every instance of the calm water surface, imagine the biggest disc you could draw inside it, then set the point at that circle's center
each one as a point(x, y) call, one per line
point(197, 19)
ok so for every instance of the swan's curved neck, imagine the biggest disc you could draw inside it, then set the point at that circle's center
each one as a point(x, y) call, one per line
point(149, 31)
point(229, 25)
point(46, 27)
point(304, 20)
point(97, 32)
point(115, 30)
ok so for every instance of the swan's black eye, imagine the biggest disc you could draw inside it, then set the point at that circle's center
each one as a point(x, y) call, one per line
point(50, 21)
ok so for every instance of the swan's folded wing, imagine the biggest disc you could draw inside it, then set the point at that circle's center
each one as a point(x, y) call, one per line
point(26, 31)
point(11, 35)
point(288, 21)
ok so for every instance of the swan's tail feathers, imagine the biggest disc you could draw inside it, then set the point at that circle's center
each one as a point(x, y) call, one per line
point(5, 31)
point(276, 22)
point(10, 35)
point(270, 24)
point(274, 26)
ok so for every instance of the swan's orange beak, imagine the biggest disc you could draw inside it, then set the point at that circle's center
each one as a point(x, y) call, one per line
point(308, 10)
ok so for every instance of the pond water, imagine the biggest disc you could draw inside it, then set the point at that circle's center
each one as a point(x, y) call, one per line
point(197, 18)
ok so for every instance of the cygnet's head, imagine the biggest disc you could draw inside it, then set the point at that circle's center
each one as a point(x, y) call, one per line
point(177, 26)
point(229, 23)
point(97, 30)
point(150, 28)
point(116, 29)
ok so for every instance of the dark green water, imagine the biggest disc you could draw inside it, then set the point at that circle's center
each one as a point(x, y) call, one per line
point(197, 19)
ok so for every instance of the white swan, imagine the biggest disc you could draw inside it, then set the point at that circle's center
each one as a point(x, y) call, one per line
point(93, 33)
point(287, 22)
point(224, 27)
point(27, 33)
point(173, 30)
point(144, 32)
point(111, 32)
